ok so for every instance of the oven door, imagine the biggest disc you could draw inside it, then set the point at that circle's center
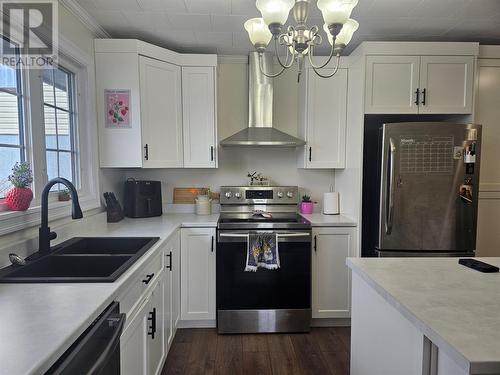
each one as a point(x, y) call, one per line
point(267, 300)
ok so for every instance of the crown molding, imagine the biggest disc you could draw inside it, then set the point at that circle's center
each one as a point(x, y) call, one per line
point(85, 18)
point(232, 59)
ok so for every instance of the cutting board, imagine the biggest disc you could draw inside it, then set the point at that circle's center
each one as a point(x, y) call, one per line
point(189, 194)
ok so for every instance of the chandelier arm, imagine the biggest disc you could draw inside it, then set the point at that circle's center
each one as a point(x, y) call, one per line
point(286, 64)
point(334, 70)
point(269, 75)
point(310, 53)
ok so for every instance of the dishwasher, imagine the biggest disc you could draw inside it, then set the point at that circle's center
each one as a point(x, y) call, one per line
point(97, 350)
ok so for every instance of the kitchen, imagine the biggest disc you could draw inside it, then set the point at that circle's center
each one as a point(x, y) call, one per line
point(167, 105)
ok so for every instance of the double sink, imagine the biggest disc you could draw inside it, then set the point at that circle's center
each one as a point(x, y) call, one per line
point(80, 259)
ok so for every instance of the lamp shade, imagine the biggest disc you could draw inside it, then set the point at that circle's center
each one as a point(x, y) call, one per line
point(346, 33)
point(275, 11)
point(336, 11)
point(258, 31)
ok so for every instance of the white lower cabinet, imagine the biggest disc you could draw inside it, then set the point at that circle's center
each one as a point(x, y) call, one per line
point(198, 273)
point(151, 323)
point(330, 275)
point(133, 343)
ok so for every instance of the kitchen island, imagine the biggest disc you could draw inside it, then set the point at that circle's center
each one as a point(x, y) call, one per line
point(424, 316)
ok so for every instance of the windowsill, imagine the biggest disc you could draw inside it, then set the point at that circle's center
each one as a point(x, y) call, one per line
point(12, 221)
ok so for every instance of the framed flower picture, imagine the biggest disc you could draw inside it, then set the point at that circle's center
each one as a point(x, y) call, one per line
point(117, 105)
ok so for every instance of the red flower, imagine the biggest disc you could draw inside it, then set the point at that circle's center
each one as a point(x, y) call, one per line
point(114, 120)
point(124, 112)
point(120, 102)
point(111, 112)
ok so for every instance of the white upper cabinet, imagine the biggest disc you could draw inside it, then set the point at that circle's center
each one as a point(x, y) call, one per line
point(448, 83)
point(391, 84)
point(419, 84)
point(161, 113)
point(322, 119)
point(198, 102)
point(172, 106)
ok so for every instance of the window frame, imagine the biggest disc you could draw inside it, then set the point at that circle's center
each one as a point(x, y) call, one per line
point(82, 65)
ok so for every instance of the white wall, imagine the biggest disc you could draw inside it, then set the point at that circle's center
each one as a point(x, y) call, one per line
point(234, 163)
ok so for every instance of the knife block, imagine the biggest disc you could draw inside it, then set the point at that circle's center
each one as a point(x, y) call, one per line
point(114, 215)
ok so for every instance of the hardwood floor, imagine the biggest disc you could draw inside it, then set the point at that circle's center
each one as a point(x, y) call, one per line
point(324, 351)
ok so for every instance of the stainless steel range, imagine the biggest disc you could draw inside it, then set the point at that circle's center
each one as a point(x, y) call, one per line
point(267, 300)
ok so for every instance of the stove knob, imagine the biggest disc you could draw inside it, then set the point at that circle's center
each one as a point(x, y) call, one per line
point(280, 194)
point(228, 194)
point(237, 195)
point(289, 194)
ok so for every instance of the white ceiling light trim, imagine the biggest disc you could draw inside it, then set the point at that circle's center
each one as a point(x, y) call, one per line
point(299, 40)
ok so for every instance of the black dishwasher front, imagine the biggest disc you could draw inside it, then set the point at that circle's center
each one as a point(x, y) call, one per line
point(97, 350)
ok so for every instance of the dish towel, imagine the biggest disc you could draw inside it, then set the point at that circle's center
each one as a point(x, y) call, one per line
point(262, 251)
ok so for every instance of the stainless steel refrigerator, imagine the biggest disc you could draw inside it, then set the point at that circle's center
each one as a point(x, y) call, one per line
point(428, 176)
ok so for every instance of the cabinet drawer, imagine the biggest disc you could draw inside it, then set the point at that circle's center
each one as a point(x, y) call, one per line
point(140, 284)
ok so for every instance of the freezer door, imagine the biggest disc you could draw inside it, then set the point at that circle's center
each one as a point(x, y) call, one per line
point(429, 194)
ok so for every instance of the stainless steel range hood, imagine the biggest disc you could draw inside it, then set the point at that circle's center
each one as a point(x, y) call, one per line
point(260, 131)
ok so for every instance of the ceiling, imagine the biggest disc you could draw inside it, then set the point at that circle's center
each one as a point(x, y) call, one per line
point(216, 26)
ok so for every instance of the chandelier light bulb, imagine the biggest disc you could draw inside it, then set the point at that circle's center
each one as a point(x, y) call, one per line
point(336, 11)
point(346, 33)
point(275, 11)
point(258, 32)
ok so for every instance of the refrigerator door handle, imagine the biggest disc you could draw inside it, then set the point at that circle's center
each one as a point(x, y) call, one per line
point(389, 216)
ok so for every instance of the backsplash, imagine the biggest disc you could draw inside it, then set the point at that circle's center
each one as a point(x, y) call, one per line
point(280, 165)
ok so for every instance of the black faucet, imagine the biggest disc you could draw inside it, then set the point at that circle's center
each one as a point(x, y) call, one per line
point(44, 233)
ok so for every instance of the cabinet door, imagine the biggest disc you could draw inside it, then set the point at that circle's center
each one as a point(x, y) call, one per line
point(197, 273)
point(134, 343)
point(169, 290)
point(176, 280)
point(326, 116)
point(448, 84)
point(391, 84)
point(331, 277)
point(120, 148)
point(161, 113)
point(198, 109)
point(156, 332)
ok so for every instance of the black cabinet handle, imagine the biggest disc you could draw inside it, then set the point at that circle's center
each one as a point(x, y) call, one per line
point(417, 97)
point(152, 319)
point(212, 249)
point(310, 153)
point(148, 278)
point(211, 153)
point(424, 92)
point(146, 153)
point(169, 261)
point(315, 243)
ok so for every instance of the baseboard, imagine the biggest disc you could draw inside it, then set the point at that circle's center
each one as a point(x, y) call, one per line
point(197, 324)
point(331, 322)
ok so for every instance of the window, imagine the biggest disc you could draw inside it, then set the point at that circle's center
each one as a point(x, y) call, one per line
point(60, 124)
point(12, 148)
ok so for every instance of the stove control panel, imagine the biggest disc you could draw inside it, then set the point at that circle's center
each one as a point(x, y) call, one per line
point(259, 195)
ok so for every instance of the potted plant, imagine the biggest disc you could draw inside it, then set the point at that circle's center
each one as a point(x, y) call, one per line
point(306, 206)
point(19, 197)
point(63, 195)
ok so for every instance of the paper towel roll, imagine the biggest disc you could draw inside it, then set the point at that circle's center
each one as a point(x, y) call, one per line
point(331, 203)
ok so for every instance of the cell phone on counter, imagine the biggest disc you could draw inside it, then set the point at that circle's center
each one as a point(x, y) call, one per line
point(478, 265)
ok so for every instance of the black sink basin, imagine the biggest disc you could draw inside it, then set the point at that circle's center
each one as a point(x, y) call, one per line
point(92, 259)
point(100, 245)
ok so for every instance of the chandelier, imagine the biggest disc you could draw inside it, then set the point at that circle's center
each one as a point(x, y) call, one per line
point(300, 40)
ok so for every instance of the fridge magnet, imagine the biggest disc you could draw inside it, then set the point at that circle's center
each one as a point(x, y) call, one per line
point(466, 193)
point(117, 104)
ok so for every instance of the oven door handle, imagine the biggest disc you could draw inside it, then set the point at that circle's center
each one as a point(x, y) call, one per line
point(282, 235)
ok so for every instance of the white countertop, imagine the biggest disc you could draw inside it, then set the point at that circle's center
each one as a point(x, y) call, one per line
point(321, 220)
point(457, 308)
point(38, 322)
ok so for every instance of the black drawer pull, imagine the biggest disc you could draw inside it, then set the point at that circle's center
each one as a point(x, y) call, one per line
point(146, 154)
point(315, 243)
point(211, 153)
point(212, 249)
point(424, 93)
point(148, 278)
point(310, 153)
point(169, 266)
point(417, 97)
point(152, 319)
